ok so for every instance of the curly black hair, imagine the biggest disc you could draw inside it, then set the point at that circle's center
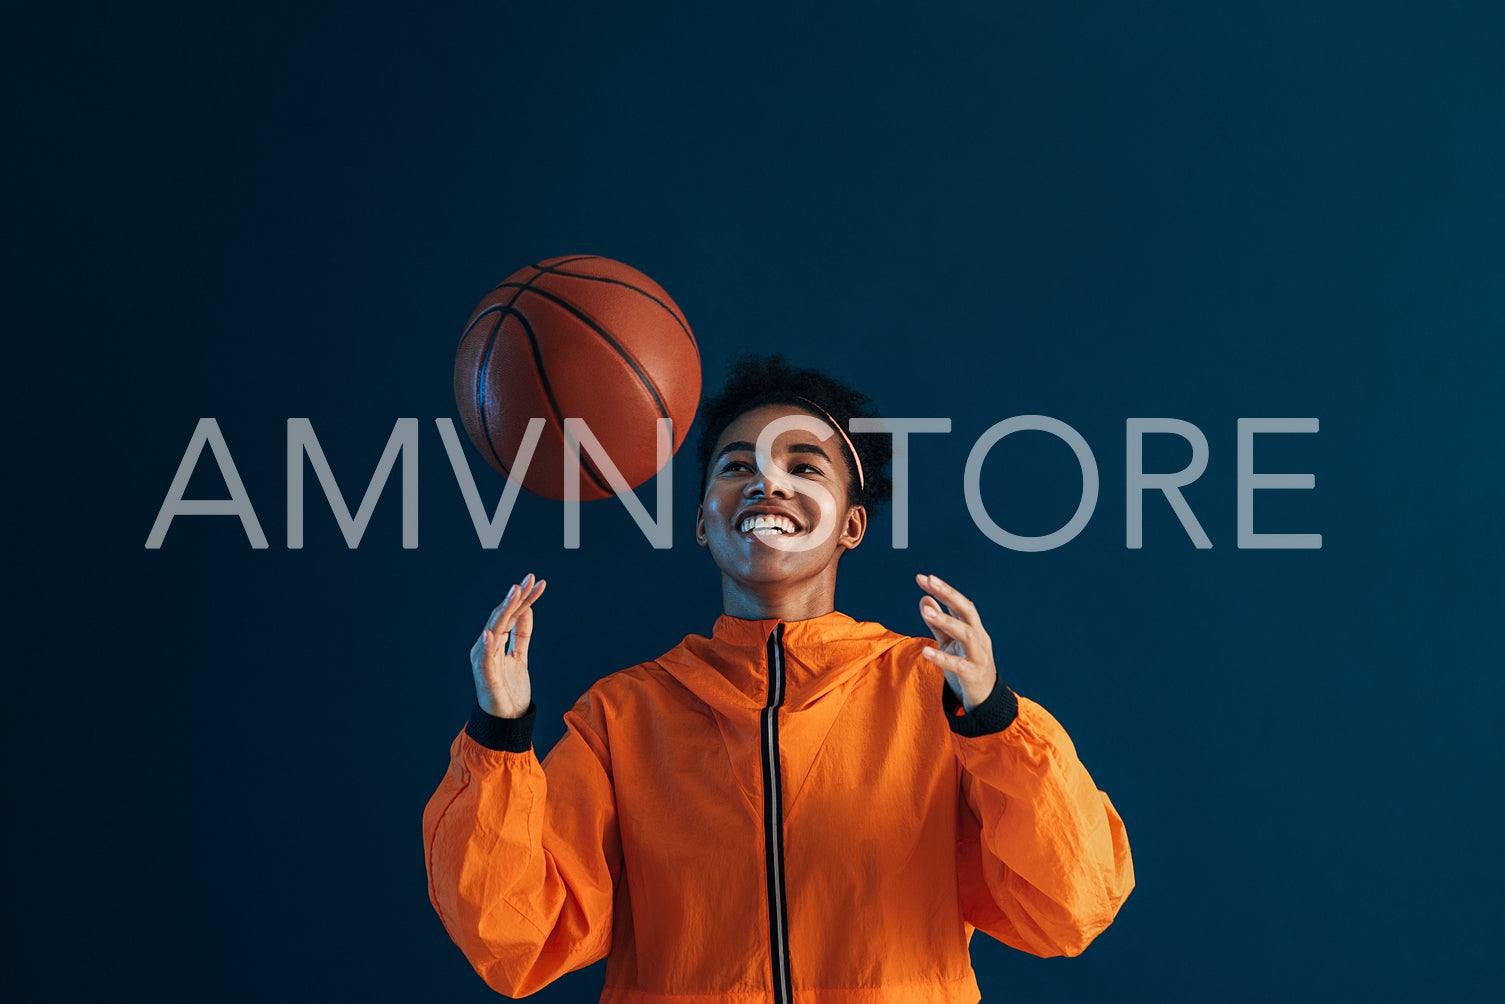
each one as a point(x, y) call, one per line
point(754, 381)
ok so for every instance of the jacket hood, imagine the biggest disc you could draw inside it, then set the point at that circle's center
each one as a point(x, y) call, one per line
point(729, 670)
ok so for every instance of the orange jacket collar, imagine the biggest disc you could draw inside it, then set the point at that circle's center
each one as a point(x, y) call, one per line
point(729, 670)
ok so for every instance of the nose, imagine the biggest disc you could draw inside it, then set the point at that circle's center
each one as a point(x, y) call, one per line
point(768, 482)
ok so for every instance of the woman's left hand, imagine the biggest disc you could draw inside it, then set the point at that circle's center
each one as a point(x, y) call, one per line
point(966, 652)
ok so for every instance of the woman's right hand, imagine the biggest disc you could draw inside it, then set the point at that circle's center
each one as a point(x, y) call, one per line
point(502, 686)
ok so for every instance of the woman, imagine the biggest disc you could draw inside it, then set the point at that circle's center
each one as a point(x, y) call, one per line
point(800, 804)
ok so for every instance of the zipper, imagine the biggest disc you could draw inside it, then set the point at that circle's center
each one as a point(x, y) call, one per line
point(773, 822)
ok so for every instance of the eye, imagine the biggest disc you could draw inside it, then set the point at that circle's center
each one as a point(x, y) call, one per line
point(808, 467)
point(733, 464)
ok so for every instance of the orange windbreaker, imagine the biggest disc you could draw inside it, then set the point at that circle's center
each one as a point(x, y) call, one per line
point(784, 811)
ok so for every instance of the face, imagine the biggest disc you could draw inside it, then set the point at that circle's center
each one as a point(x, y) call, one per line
point(783, 517)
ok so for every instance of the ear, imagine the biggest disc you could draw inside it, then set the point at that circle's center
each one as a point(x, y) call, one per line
point(856, 526)
point(700, 537)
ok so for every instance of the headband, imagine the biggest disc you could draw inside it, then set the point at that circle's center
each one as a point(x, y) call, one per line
point(855, 459)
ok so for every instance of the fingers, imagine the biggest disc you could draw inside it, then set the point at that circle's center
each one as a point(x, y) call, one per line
point(522, 632)
point(959, 624)
point(520, 595)
point(951, 663)
point(526, 600)
point(498, 637)
point(959, 604)
point(963, 650)
point(939, 621)
point(499, 613)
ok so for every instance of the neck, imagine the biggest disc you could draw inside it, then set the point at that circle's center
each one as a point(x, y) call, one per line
point(779, 600)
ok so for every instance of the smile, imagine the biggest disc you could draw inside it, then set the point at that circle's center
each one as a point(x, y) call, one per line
point(767, 525)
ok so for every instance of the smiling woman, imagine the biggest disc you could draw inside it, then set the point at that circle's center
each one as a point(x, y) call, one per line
point(784, 492)
point(800, 803)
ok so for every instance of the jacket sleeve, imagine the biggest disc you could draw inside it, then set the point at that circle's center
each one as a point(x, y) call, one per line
point(1042, 858)
point(523, 857)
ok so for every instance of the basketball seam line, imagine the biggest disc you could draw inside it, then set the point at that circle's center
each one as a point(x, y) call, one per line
point(501, 315)
point(538, 267)
point(548, 387)
point(554, 270)
point(643, 377)
point(507, 310)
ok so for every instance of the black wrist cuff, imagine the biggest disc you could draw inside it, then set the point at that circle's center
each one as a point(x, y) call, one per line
point(507, 735)
point(996, 713)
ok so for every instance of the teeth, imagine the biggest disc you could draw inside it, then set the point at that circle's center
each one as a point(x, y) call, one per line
point(765, 524)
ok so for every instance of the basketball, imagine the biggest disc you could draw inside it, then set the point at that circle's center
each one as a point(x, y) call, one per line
point(576, 337)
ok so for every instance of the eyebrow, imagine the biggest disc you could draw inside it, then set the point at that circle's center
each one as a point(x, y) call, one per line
point(745, 447)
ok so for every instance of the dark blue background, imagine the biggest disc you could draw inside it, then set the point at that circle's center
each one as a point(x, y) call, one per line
point(217, 758)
